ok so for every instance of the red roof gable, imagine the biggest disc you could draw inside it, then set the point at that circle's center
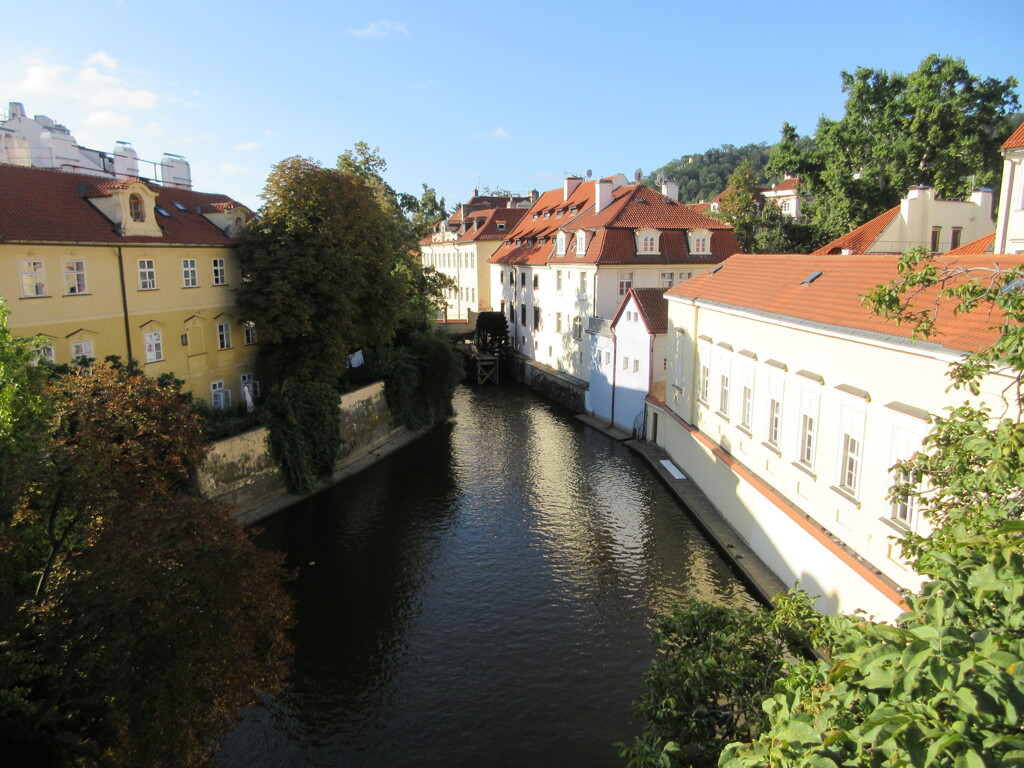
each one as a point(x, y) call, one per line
point(776, 285)
point(652, 306)
point(47, 205)
point(1016, 140)
point(860, 239)
point(487, 224)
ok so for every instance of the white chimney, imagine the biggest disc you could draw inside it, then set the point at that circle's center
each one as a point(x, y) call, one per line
point(983, 199)
point(126, 160)
point(602, 194)
point(175, 171)
point(571, 182)
point(670, 190)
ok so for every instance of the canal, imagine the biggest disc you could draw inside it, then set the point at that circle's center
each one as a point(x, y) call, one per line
point(483, 597)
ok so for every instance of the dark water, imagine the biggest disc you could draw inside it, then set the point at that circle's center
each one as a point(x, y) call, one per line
point(483, 597)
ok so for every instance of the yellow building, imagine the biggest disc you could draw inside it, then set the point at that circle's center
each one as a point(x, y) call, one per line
point(99, 266)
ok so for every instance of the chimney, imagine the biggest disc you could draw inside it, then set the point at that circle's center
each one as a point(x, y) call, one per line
point(602, 194)
point(534, 194)
point(670, 190)
point(983, 199)
point(571, 182)
point(15, 109)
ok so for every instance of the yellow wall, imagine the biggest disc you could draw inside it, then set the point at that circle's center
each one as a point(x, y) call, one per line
point(98, 314)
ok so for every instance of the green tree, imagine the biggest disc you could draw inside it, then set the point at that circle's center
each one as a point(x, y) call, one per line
point(741, 205)
point(940, 125)
point(319, 269)
point(701, 177)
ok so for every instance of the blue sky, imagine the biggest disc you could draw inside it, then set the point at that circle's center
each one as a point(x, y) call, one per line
point(458, 95)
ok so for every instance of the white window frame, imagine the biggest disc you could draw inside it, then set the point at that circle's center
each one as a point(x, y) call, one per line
point(724, 381)
point(560, 244)
point(189, 273)
point(224, 335)
point(775, 409)
point(220, 272)
point(810, 405)
point(147, 275)
point(249, 329)
point(74, 277)
point(220, 396)
point(849, 466)
point(581, 243)
point(82, 349)
point(46, 352)
point(667, 280)
point(558, 281)
point(152, 342)
point(747, 391)
point(704, 367)
point(254, 386)
point(906, 440)
point(33, 278)
point(625, 282)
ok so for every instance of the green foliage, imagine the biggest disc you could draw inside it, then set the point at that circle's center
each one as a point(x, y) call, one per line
point(715, 667)
point(943, 688)
point(940, 125)
point(305, 433)
point(701, 177)
point(740, 205)
point(778, 233)
point(420, 379)
point(319, 270)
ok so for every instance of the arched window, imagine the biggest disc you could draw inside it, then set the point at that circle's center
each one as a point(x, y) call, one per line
point(135, 209)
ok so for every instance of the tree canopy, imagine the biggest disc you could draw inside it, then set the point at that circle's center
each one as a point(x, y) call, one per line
point(703, 176)
point(318, 269)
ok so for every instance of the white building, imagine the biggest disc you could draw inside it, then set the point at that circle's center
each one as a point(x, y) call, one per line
point(786, 195)
point(40, 142)
point(628, 359)
point(1010, 228)
point(788, 403)
point(920, 220)
point(579, 250)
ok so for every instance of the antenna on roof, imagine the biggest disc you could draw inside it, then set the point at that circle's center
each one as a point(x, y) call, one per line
point(638, 175)
point(662, 177)
point(589, 173)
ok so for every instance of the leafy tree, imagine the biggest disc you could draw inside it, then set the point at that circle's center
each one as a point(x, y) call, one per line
point(319, 269)
point(420, 380)
point(305, 433)
point(940, 125)
point(777, 233)
point(426, 212)
point(703, 176)
point(741, 205)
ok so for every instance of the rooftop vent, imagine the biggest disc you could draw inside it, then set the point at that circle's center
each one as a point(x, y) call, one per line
point(712, 271)
point(812, 277)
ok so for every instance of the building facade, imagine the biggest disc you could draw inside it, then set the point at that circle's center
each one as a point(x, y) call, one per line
point(788, 403)
point(1010, 227)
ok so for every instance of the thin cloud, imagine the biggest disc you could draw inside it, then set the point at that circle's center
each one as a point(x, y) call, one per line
point(102, 59)
point(497, 133)
point(234, 170)
point(248, 146)
point(110, 121)
point(382, 28)
point(87, 86)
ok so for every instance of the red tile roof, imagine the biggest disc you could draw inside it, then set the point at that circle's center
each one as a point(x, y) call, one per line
point(984, 244)
point(785, 185)
point(774, 285)
point(487, 224)
point(862, 238)
point(652, 306)
point(46, 205)
point(1016, 140)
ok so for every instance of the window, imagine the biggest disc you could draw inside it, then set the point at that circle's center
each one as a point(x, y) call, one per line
point(536, 318)
point(625, 363)
point(189, 274)
point(558, 322)
point(560, 244)
point(224, 335)
point(607, 358)
point(135, 209)
point(522, 280)
point(558, 281)
point(666, 280)
point(583, 285)
point(774, 426)
point(787, 206)
point(74, 277)
point(536, 282)
point(851, 430)
point(636, 365)
point(577, 327)
point(723, 390)
point(522, 314)
point(219, 396)
point(581, 243)
point(250, 332)
point(905, 443)
point(936, 236)
point(220, 274)
point(747, 398)
point(808, 428)
point(955, 235)
point(625, 282)
point(33, 279)
point(250, 386)
point(511, 277)
point(147, 275)
point(154, 346)
point(700, 244)
point(647, 245)
point(45, 352)
point(82, 351)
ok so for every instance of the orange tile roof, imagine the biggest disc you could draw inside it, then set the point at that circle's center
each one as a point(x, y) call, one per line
point(47, 205)
point(983, 244)
point(773, 284)
point(1016, 140)
point(487, 224)
point(785, 185)
point(861, 238)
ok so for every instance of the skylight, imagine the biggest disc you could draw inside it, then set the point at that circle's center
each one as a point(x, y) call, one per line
point(178, 205)
point(715, 269)
point(162, 211)
point(812, 277)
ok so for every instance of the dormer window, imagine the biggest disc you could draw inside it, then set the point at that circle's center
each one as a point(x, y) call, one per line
point(700, 242)
point(560, 244)
point(501, 226)
point(135, 208)
point(648, 242)
point(581, 243)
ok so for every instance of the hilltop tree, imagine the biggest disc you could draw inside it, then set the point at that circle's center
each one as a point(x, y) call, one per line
point(319, 268)
point(703, 176)
point(740, 206)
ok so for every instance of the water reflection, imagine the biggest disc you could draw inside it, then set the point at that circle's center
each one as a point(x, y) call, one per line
point(483, 597)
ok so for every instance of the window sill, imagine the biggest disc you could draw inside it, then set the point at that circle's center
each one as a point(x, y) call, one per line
point(44, 296)
point(703, 403)
point(723, 416)
point(744, 430)
point(224, 349)
point(897, 525)
point(189, 287)
point(158, 360)
point(773, 448)
point(805, 469)
point(146, 290)
point(70, 295)
point(846, 495)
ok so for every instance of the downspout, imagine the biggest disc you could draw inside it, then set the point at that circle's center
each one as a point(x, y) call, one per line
point(615, 368)
point(124, 304)
point(695, 373)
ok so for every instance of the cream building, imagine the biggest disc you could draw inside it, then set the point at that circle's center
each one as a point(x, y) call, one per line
point(1010, 227)
point(98, 266)
point(920, 220)
point(787, 403)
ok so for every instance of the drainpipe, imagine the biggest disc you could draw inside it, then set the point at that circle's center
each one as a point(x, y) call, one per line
point(615, 368)
point(695, 373)
point(124, 303)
